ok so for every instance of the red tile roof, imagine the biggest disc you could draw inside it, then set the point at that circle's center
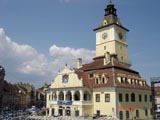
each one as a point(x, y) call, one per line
point(112, 71)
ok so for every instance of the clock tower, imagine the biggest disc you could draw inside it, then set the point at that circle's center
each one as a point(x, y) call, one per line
point(111, 36)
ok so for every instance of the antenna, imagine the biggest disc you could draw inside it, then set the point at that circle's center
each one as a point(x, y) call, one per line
point(110, 1)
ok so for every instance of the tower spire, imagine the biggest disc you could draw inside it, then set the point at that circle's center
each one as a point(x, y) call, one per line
point(110, 9)
point(110, 2)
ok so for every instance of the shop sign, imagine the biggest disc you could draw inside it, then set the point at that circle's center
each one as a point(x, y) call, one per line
point(60, 102)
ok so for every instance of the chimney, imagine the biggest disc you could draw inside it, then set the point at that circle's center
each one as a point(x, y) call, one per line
point(115, 56)
point(106, 58)
point(79, 63)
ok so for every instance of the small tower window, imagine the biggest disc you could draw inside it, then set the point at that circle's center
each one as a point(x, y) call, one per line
point(121, 47)
point(121, 57)
point(104, 47)
point(105, 22)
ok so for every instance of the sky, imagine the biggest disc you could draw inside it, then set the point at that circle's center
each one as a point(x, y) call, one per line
point(38, 37)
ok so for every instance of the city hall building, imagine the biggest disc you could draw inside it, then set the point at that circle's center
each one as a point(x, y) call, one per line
point(106, 86)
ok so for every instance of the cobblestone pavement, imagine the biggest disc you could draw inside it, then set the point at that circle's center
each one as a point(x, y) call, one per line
point(57, 118)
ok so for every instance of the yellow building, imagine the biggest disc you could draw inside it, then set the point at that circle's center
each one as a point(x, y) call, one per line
point(106, 86)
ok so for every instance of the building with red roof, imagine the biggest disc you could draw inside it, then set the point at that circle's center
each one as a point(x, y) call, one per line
point(107, 86)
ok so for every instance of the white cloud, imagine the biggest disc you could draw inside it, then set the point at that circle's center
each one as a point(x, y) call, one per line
point(71, 52)
point(21, 55)
point(24, 63)
point(67, 55)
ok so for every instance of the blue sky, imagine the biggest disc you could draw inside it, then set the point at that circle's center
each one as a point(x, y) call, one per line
point(38, 37)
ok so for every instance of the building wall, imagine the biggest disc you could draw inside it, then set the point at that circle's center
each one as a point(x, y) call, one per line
point(73, 80)
point(105, 107)
point(132, 106)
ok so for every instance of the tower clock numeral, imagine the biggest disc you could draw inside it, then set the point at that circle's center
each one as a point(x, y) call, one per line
point(104, 35)
point(120, 36)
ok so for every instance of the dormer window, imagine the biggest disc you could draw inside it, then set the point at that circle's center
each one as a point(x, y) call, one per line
point(131, 81)
point(65, 78)
point(138, 82)
point(126, 81)
point(122, 80)
point(103, 80)
point(97, 81)
point(91, 75)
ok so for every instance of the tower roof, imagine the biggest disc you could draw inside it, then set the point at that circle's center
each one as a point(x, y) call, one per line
point(110, 17)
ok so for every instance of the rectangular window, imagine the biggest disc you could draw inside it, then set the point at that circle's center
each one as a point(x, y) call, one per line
point(150, 98)
point(140, 98)
point(127, 97)
point(127, 115)
point(120, 97)
point(137, 113)
point(121, 115)
point(151, 111)
point(107, 97)
point(145, 98)
point(97, 97)
point(146, 112)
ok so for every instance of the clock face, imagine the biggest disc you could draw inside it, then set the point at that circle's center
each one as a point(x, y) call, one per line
point(120, 35)
point(104, 35)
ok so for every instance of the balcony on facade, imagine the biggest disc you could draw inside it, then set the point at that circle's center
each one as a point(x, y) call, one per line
point(70, 98)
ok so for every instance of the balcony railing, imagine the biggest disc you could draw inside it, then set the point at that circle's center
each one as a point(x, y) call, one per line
point(61, 102)
point(68, 102)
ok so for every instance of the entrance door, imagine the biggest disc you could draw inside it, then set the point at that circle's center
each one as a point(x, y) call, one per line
point(68, 112)
point(98, 112)
point(52, 111)
point(60, 111)
point(77, 113)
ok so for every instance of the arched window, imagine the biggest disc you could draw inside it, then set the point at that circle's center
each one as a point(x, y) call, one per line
point(133, 97)
point(77, 96)
point(61, 96)
point(86, 96)
point(68, 96)
point(54, 96)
